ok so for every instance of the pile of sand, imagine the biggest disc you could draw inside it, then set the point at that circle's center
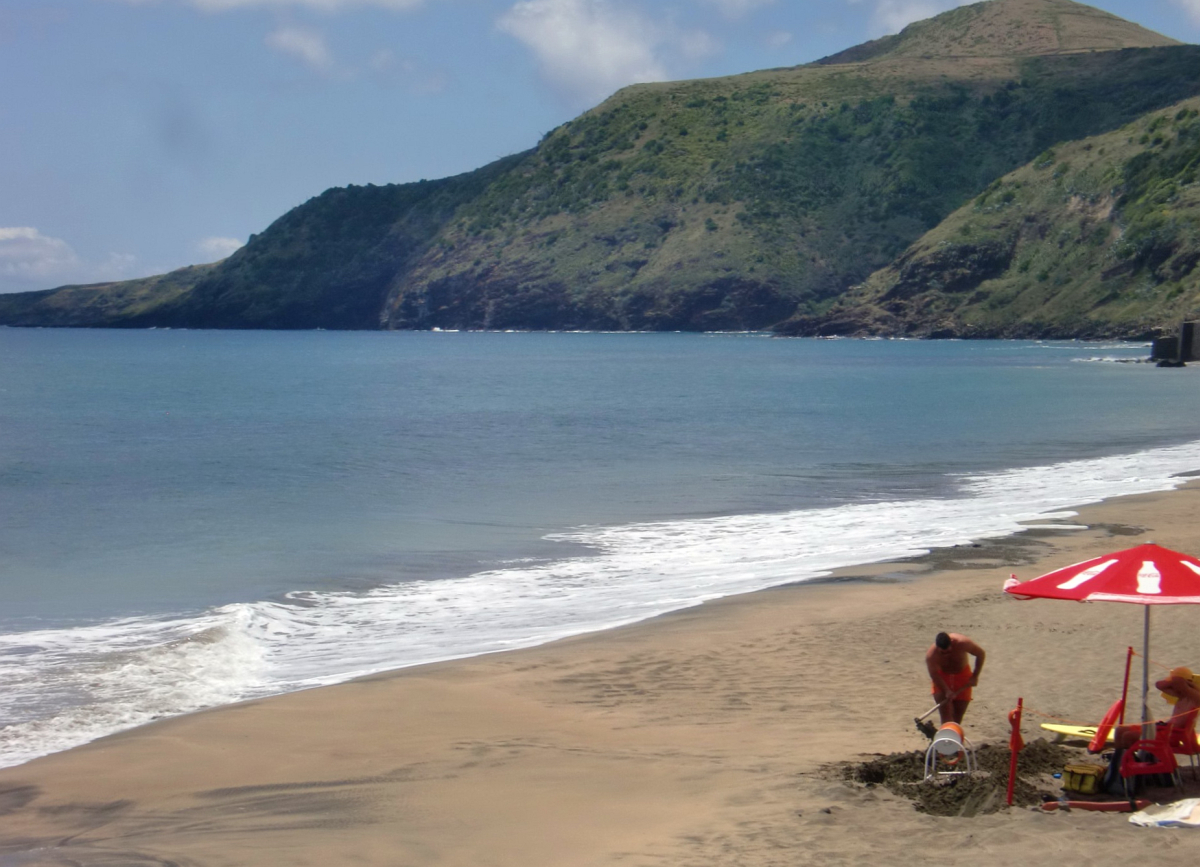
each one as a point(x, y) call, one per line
point(984, 791)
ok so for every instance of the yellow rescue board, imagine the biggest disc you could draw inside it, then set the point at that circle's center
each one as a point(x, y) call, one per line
point(1065, 731)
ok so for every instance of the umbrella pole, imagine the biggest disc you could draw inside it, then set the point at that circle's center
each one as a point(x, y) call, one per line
point(1125, 685)
point(1146, 670)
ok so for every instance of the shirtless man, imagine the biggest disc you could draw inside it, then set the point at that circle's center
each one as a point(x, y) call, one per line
point(952, 677)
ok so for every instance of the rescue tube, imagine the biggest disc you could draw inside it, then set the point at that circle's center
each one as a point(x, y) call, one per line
point(1110, 719)
point(1097, 806)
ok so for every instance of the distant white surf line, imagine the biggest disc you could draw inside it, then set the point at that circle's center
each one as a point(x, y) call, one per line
point(66, 687)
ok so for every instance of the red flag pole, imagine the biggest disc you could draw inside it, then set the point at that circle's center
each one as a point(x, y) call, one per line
point(1015, 744)
point(1125, 688)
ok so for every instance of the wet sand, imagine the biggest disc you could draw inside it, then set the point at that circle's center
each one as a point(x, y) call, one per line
point(705, 737)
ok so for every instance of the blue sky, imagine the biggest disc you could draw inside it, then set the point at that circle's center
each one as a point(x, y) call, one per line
point(137, 136)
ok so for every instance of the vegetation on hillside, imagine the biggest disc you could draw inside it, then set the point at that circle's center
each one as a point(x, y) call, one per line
point(326, 264)
point(731, 203)
point(1094, 238)
point(102, 304)
point(1016, 28)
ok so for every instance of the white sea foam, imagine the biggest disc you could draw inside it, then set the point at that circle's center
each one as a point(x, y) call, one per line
point(69, 686)
point(65, 687)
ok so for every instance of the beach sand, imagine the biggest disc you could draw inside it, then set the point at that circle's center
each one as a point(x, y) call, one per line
point(705, 737)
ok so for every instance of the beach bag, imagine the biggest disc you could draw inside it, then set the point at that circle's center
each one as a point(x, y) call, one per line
point(1086, 779)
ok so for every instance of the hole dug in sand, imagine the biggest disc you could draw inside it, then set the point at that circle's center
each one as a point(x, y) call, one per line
point(982, 792)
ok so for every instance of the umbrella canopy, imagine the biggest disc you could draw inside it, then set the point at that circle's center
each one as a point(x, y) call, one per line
point(1145, 575)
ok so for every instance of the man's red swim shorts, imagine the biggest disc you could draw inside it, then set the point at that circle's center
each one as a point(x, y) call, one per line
point(956, 680)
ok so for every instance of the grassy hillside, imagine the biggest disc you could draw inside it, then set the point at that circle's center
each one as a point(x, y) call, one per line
point(1018, 28)
point(725, 203)
point(1094, 238)
point(729, 203)
point(102, 304)
point(328, 263)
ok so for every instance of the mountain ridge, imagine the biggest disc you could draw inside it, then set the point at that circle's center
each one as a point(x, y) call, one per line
point(1009, 28)
point(717, 204)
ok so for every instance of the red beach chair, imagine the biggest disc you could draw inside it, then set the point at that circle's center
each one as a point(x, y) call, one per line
point(1183, 738)
point(1150, 756)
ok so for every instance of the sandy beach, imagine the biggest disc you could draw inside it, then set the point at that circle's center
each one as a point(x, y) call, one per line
point(706, 737)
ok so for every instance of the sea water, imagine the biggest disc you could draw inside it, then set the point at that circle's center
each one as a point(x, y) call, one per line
point(194, 518)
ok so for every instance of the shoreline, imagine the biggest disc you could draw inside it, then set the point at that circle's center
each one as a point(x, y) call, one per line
point(654, 563)
point(698, 736)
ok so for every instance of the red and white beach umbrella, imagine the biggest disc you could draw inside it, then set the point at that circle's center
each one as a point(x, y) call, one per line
point(1145, 575)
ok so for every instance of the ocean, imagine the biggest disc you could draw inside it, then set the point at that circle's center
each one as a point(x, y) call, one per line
point(194, 518)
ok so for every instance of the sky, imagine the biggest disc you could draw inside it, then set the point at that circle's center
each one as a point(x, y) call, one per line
point(139, 136)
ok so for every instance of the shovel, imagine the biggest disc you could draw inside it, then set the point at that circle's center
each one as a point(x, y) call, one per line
point(928, 729)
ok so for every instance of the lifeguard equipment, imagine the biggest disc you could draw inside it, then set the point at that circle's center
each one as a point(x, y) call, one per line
point(1100, 739)
point(1097, 806)
point(950, 745)
point(1084, 778)
point(1061, 732)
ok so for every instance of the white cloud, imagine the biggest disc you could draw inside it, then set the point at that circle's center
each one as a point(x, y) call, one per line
point(319, 5)
point(28, 255)
point(307, 46)
point(696, 44)
point(382, 61)
point(1192, 8)
point(413, 76)
point(35, 23)
point(738, 8)
point(589, 48)
point(777, 39)
point(116, 266)
point(30, 260)
point(214, 249)
point(892, 16)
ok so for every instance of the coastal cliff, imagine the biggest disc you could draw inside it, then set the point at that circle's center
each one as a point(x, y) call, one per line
point(1093, 238)
point(762, 200)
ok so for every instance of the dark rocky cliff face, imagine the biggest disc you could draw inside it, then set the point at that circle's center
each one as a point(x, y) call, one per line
point(958, 268)
point(728, 304)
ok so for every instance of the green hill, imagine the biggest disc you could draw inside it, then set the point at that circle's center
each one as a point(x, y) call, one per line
point(1094, 238)
point(727, 203)
point(1019, 28)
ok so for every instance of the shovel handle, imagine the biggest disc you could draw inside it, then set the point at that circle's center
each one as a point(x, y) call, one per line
point(950, 697)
